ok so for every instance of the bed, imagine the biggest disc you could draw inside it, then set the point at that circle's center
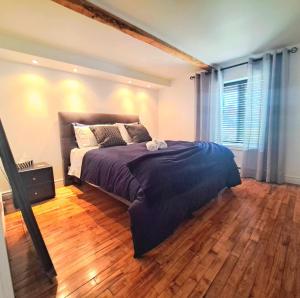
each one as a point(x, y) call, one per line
point(161, 188)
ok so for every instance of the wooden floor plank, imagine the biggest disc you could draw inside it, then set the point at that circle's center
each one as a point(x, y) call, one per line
point(246, 243)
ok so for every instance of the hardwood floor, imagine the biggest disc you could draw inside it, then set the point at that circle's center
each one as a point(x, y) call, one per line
point(244, 244)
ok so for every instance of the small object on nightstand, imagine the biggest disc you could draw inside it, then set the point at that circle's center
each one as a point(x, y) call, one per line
point(24, 165)
point(39, 182)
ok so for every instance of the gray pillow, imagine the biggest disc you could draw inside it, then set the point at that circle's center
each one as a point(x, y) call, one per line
point(138, 133)
point(107, 136)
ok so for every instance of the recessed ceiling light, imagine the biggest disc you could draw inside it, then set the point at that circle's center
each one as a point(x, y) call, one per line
point(75, 69)
point(35, 61)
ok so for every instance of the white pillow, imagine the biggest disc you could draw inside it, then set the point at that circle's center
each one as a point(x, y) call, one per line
point(124, 133)
point(84, 136)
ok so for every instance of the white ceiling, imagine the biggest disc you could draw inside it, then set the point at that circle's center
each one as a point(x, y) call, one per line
point(46, 22)
point(213, 31)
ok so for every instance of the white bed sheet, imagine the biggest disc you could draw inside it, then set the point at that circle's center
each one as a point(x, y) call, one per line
point(76, 157)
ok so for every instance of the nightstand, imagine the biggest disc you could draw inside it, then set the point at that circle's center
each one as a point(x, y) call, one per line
point(39, 182)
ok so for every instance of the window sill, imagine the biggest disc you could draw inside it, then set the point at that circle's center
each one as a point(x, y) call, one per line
point(234, 147)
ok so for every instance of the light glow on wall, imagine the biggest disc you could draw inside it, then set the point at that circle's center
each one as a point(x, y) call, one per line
point(72, 85)
point(35, 101)
point(33, 90)
point(32, 97)
point(142, 101)
point(141, 95)
point(73, 95)
point(126, 100)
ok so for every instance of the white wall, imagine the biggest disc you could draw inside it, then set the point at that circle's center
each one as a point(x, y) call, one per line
point(31, 97)
point(176, 111)
point(292, 169)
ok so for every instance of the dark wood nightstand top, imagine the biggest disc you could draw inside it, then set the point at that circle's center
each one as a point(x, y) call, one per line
point(36, 166)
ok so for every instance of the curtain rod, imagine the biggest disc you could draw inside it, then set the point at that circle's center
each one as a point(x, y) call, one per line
point(292, 51)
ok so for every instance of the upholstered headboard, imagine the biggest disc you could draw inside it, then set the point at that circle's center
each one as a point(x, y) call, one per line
point(67, 136)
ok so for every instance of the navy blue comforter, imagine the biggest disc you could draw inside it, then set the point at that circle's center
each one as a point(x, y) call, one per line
point(164, 186)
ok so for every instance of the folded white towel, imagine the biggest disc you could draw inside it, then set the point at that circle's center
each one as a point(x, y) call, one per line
point(155, 145)
point(162, 144)
point(152, 146)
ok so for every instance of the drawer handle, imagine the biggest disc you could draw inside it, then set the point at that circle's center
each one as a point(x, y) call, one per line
point(33, 178)
point(36, 193)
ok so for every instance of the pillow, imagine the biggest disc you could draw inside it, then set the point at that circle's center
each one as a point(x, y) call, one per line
point(84, 136)
point(124, 133)
point(107, 135)
point(138, 133)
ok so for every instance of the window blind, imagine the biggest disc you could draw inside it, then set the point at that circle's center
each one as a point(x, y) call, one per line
point(234, 112)
point(255, 109)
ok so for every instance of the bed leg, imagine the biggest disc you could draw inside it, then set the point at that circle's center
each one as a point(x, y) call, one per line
point(77, 181)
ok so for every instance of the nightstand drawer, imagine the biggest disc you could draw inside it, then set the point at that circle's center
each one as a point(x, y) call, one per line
point(37, 176)
point(41, 192)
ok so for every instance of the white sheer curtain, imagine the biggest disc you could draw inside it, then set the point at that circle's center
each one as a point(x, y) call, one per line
point(263, 157)
point(209, 87)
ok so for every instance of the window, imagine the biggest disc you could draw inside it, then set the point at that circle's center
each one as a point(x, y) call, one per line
point(233, 118)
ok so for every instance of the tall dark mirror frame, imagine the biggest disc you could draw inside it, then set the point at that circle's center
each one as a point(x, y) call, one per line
point(21, 195)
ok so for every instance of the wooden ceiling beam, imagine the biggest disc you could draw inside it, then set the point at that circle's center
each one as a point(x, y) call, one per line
point(95, 12)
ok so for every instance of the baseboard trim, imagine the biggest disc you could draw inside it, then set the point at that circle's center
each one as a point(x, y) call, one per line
point(292, 179)
point(59, 183)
